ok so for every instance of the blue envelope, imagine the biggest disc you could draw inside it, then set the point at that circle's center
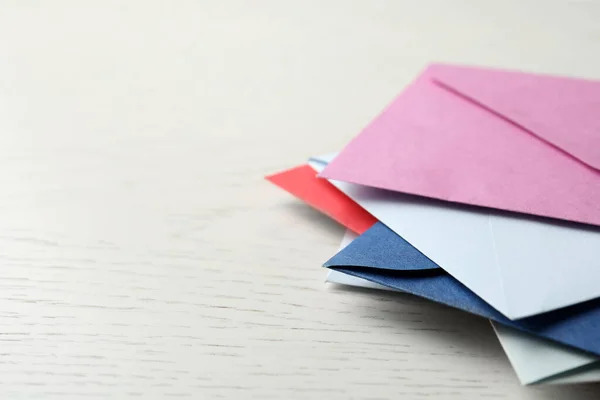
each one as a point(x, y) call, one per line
point(381, 256)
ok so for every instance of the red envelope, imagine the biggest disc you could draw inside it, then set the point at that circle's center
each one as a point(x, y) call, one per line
point(302, 182)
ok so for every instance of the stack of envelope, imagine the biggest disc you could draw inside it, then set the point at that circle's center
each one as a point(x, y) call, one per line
point(479, 189)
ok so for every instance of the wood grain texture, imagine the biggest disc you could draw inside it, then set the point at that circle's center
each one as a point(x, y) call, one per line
point(141, 252)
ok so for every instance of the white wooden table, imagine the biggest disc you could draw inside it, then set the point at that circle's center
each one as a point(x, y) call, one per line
point(141, 252)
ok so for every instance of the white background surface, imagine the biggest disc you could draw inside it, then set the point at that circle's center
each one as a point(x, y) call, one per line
point(141, 252)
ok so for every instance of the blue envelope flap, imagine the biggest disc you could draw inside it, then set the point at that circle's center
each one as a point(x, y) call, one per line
point(387, 251)
point(577, 326)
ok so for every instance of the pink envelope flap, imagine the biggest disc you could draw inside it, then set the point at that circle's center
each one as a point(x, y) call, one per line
point(562, 111)
point(433, 140)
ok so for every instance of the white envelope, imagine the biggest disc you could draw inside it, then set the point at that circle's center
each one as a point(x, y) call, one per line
point(534, 360)
point(518, 264)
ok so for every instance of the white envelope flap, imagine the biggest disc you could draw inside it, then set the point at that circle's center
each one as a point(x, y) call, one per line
point(520, 265)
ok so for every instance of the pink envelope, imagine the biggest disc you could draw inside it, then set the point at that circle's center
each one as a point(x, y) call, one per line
point(507, 140)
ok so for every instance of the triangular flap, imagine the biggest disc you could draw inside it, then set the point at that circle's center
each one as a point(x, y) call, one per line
point(380, 248)
point(564, 112)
